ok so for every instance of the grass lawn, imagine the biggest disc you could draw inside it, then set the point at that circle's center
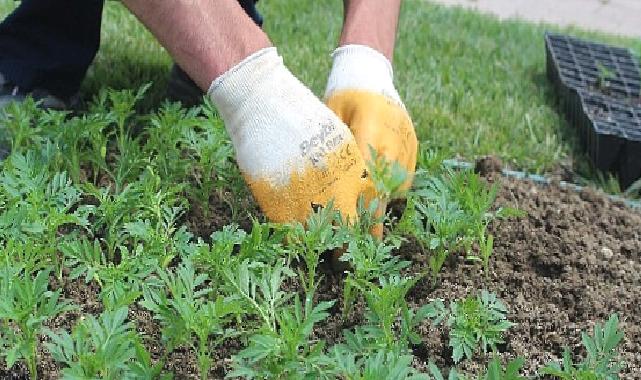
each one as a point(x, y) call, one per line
point(474, 85)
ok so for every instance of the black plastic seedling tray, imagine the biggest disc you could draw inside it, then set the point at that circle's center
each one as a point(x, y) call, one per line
point(599, 89)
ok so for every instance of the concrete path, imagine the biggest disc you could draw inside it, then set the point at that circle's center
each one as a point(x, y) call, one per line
point(611, 16)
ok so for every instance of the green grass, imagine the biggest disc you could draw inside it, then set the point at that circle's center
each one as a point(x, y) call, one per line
point(474, 85)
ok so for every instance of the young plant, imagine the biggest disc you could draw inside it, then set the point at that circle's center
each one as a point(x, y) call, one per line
point(220, 255)
point(212, 153)
point(494, 371)
point(259, 288)
point(20, 121)
point(162, 144)
point(120, 283)
point(602, 361)
point(444, 231)
point(311, 240)
point(286, 351)
point(351, 365)
point(369, 260)
point(96, 139)
point(187, 317)
point(486, 247)
point(25, 305)
point(39, 203)
point(386, 304)
point(456, 208)
point(388, 177)
point(106, 347)
point(476, 321)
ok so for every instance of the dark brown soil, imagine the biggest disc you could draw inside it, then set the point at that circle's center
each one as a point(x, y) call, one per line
point(573, 260)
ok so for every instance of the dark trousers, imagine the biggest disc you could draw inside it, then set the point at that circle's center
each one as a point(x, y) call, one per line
point(49, 44)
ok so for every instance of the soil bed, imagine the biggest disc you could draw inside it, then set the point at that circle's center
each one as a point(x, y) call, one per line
point(573, 260)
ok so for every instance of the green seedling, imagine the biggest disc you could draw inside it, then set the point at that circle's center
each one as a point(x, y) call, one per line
point(220, 255)
point(106, 348)
point(69, 141)
point(214, 169)
point(118, 108)
point(602, 361)
point(129, 163)
point(25, 305)
point(386, 303)
point(374, 366)
point(444, 231)
point(486, 247)
point(120, 283)
point(20, 121)
point(112, 212)
point(187, 317)
point(451, 211)
point(605, 76)
point(476, 321)
point(388, 177)
point(391, 323)
point(495, 371)
point(286, 351)
point(96, 140)
point(369, 260)
point(39, 203)
point(259, 288)
point(308, 242)
point(162, 144)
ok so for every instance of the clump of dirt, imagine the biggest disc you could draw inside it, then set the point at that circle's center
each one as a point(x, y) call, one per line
point(488, 166)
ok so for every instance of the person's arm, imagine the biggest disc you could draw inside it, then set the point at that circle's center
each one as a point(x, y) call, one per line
point(293, 151)
point(206, 38)
point(371, 23)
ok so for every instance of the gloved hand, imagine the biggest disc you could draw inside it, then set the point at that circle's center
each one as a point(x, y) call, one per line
point(293, 151)
point(360, 90)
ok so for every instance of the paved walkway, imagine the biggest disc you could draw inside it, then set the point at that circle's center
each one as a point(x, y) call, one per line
point(611, 16)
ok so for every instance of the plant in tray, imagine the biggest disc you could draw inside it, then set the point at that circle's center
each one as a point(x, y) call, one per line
point(26, 304)
point(602, 361)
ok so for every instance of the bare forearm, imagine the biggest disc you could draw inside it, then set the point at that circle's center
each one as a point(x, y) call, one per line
point(372, 23)
point(205, 37)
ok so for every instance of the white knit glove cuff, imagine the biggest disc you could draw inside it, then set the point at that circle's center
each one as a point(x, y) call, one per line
point(359, 67)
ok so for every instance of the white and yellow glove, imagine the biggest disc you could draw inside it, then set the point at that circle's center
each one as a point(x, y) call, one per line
point(293, 151)
point(361, 91)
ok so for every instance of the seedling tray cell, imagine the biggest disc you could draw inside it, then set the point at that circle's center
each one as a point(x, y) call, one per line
point(613, 134)
point(599, 88)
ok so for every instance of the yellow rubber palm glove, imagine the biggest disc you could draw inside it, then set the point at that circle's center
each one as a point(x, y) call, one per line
point(360, 90)
point(293, 151)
